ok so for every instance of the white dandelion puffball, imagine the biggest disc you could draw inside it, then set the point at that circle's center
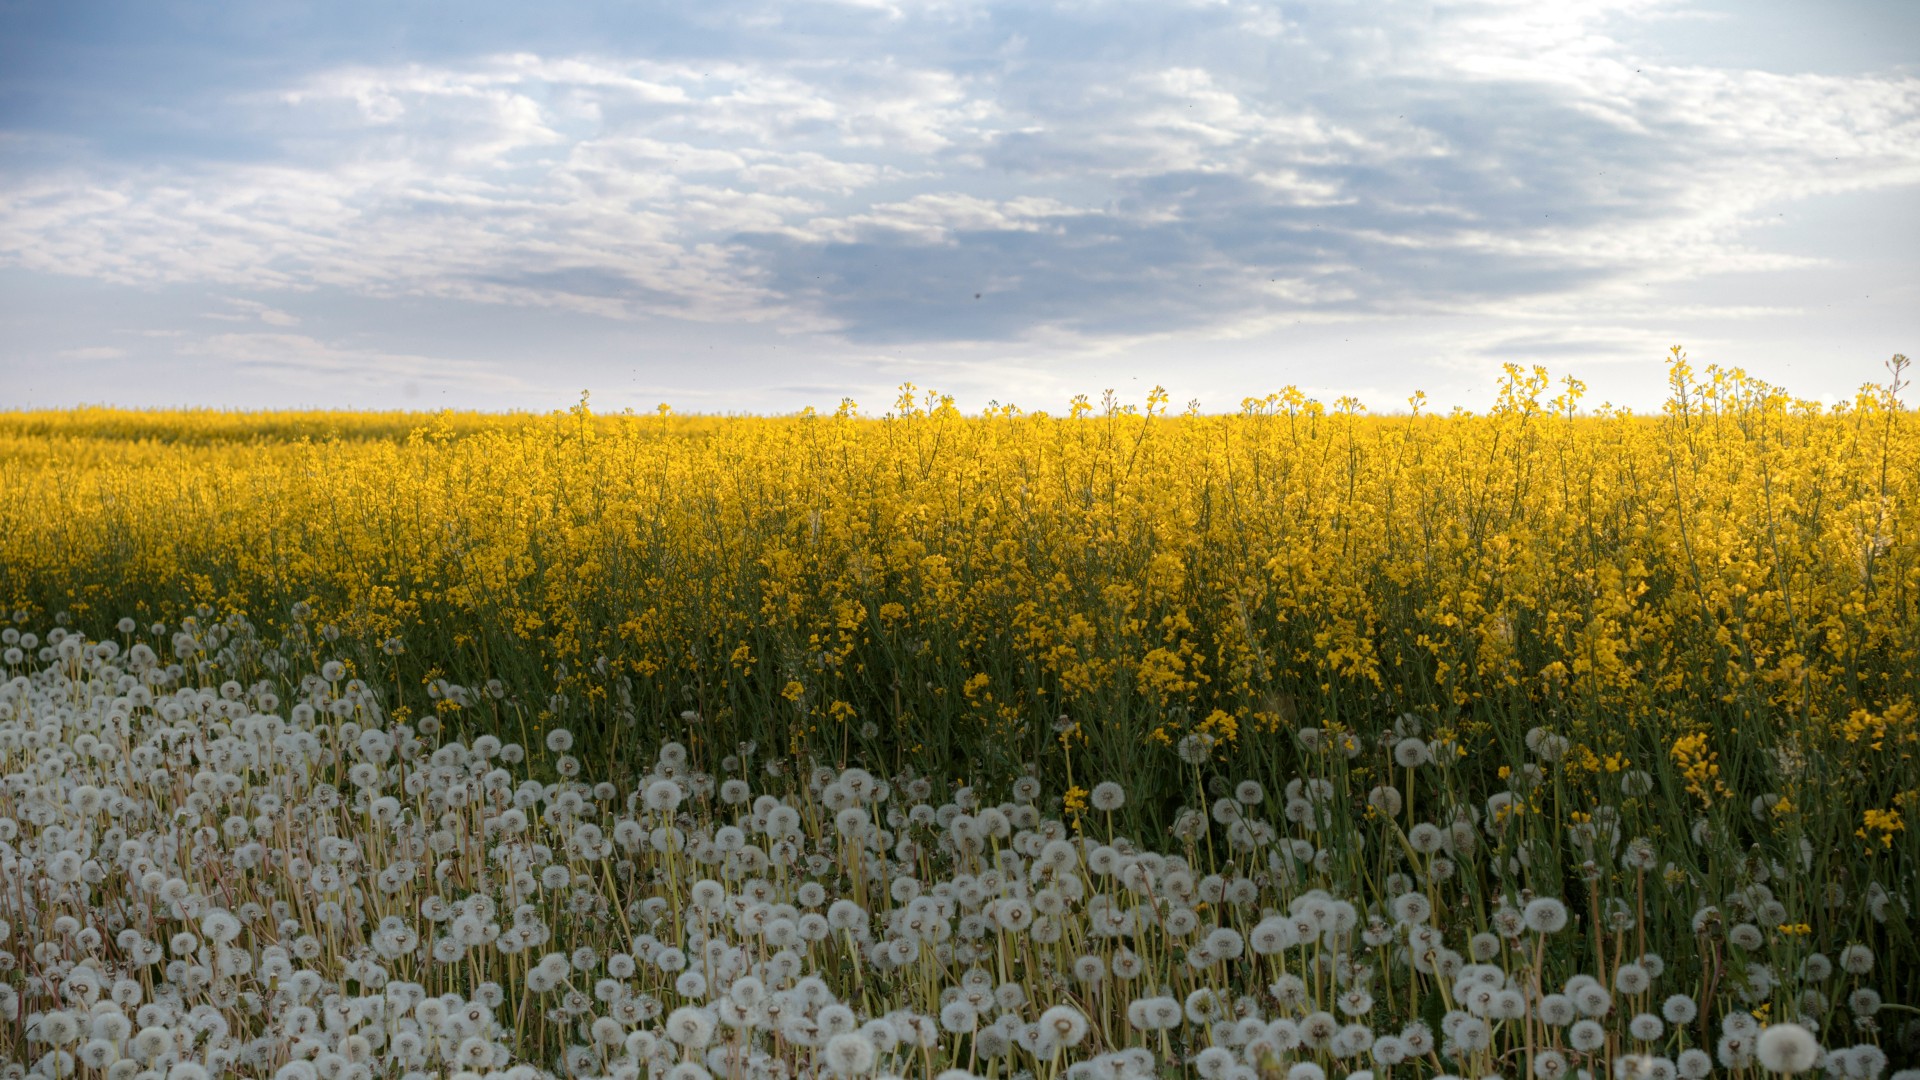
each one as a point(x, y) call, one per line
point(663, 796)
point(690, 1027)
point(1546, 915)
point(1065, 1024)
point(1788, 1049)
point(851, 1054)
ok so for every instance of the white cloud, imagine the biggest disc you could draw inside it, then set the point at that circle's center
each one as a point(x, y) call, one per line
point(935, 218)
point(251, 311)
point(300, 360)
point(92, 352)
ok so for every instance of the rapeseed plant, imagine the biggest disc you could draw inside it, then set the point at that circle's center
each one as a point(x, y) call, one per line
point(1297, 742)
point(1725, 578)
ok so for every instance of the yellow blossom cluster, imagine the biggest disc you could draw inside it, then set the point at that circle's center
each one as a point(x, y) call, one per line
point(954, 582)
point(1699, 768)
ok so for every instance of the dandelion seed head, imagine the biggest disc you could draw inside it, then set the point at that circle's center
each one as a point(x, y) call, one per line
point(1545, 915)
point(1787, 1049)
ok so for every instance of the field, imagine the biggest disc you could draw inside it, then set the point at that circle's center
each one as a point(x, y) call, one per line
point(1299, 742)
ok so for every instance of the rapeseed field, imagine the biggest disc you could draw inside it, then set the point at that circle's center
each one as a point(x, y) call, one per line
point(1547, 741)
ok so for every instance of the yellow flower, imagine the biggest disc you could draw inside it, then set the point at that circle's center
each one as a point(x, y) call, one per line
point(1074, 802)
point(1880, 825)
point(975, 684)
point(1220, 724)
point(1699, 767)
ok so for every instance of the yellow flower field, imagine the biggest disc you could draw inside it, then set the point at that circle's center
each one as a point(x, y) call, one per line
point(1607, 699)
point(1158, 575)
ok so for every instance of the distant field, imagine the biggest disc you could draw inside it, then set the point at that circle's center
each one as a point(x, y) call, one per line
point(1663, 668)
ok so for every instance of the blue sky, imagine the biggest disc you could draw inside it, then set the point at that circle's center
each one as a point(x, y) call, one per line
point(761, 206)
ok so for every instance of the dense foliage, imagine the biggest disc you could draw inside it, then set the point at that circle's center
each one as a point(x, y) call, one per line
point(1662, 670)
point(271, 875)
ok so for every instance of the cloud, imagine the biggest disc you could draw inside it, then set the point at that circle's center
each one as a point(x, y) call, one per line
point(303, 361)
point(92, 352)
point(962, 173)
point(251, 311)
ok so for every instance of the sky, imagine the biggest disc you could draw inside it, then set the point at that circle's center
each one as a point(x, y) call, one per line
point(761, 206)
